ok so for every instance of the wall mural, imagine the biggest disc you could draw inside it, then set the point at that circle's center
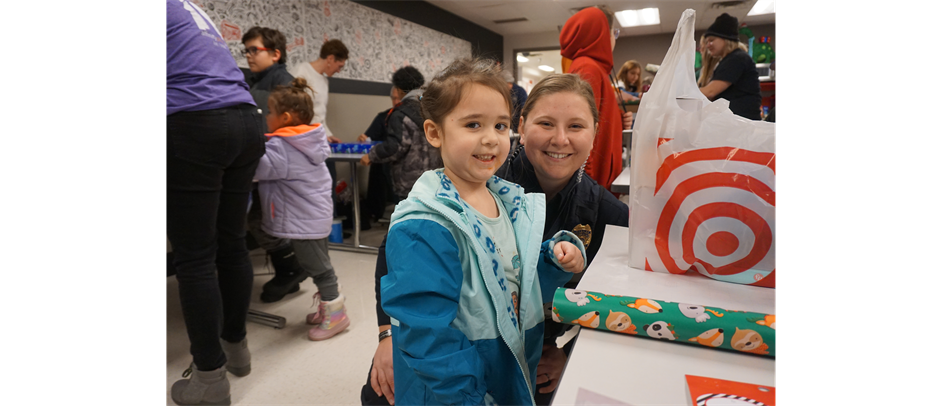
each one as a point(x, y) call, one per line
point(378, 42)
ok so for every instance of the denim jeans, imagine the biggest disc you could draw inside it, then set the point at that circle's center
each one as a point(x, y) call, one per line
point(211, 160)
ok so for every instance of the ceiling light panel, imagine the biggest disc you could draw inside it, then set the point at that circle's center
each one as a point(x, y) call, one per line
point(637, 18)
point(762, 7)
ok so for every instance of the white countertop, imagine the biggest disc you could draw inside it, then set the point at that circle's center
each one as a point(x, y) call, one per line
point(643, 371)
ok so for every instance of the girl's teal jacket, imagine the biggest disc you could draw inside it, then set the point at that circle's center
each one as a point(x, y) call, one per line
point(456, 337)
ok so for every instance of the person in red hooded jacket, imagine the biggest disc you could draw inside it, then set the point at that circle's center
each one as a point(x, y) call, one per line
point(588, 38)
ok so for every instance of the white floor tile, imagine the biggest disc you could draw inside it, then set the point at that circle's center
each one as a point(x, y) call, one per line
point(287, 368)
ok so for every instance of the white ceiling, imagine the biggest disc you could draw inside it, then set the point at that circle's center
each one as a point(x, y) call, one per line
point(548, 15)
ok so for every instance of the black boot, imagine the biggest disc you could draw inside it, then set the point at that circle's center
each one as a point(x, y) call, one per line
point(288, 275)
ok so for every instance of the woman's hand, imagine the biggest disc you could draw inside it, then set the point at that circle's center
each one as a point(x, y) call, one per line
point(333, 140)
point(627, 120)
point(362, 138)
point(569, 257)
point(365, 161)
point(381, 376)
point(550, 368)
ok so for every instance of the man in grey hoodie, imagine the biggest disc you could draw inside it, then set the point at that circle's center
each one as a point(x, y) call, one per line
point(406, 151)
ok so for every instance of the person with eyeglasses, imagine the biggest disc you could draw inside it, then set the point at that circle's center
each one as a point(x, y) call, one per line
point(588, 39)
point(265, 52)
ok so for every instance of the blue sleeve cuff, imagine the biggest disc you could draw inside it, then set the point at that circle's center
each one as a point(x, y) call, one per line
point(551, 273)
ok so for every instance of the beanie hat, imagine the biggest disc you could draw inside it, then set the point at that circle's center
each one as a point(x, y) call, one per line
point(725, 26)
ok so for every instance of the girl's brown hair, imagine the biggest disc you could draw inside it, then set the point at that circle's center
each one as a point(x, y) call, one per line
point(293, 99)
point(623, 75)
point(444, 92)
point(559, 83)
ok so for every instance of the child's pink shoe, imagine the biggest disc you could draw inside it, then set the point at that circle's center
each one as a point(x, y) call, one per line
point(333, 320)
point(318, 316)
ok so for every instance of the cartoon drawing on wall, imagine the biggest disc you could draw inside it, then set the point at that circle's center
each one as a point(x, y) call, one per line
point(375, 52)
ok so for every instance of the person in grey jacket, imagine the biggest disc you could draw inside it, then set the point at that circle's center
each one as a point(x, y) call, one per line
point(406, 151)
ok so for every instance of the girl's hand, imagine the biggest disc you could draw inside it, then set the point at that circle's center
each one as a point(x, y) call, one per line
point(569, 257)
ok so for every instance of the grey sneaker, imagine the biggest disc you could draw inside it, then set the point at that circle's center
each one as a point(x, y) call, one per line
point(203, 388)
point(238, 358)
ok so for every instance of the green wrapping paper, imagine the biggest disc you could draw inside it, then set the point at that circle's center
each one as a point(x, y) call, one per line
point(692, 324)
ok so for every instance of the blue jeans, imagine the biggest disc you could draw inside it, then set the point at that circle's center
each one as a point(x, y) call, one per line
point(211, 160)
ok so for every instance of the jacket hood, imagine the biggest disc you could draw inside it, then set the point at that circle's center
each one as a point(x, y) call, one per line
point(414, 94)
point(305, 138)
point(586, 34)
point(436, 183)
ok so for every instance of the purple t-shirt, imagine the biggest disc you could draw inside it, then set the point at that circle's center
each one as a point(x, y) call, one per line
point(201, 74)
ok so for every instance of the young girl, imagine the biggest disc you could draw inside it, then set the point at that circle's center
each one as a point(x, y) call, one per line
point(296, 202)
point(464, 251)
point(630, 77)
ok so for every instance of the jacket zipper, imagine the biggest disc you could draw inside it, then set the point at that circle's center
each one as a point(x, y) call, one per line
point(497, 311)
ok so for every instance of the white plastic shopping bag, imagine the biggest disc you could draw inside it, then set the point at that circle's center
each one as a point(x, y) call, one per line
point(702, 179)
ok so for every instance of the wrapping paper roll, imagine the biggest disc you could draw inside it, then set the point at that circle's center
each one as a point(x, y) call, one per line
point(686, 323)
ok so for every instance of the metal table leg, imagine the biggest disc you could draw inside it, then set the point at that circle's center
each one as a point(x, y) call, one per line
point(266, 319)
point(356, 247)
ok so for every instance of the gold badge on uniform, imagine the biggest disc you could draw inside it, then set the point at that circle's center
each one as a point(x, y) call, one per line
point(584, 232)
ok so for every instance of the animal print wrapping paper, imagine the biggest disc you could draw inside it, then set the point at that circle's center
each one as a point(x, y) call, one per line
point(687, 323)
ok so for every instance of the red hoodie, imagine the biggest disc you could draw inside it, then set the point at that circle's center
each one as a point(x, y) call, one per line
point(585, 39)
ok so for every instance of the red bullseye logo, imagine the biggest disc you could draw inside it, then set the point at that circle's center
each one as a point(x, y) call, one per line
point(718, 217)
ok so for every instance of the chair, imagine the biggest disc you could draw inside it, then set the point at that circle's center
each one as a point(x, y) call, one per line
point(259, 317)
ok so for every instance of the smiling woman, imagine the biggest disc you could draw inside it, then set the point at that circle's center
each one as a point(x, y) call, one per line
point(558, 127)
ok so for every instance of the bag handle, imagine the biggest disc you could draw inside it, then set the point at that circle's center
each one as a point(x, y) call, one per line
point(676, 78)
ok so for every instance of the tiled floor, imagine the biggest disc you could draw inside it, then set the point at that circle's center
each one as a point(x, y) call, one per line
point(287, 368)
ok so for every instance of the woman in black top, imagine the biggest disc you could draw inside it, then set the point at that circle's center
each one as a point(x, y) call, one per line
point(735, 78)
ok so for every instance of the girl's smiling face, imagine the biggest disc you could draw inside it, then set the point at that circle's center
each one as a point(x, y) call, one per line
point(558, 135)
point(633, 76)
point(474, 137)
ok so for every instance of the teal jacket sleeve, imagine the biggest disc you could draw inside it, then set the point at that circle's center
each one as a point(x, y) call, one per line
point(552, 275)
point(422, 292)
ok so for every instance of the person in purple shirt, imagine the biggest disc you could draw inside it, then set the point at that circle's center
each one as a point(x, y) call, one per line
point(214, 142)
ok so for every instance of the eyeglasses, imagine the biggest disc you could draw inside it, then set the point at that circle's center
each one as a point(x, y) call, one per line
point(253, 50)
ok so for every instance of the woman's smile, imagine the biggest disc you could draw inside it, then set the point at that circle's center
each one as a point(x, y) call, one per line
point(557, 155)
